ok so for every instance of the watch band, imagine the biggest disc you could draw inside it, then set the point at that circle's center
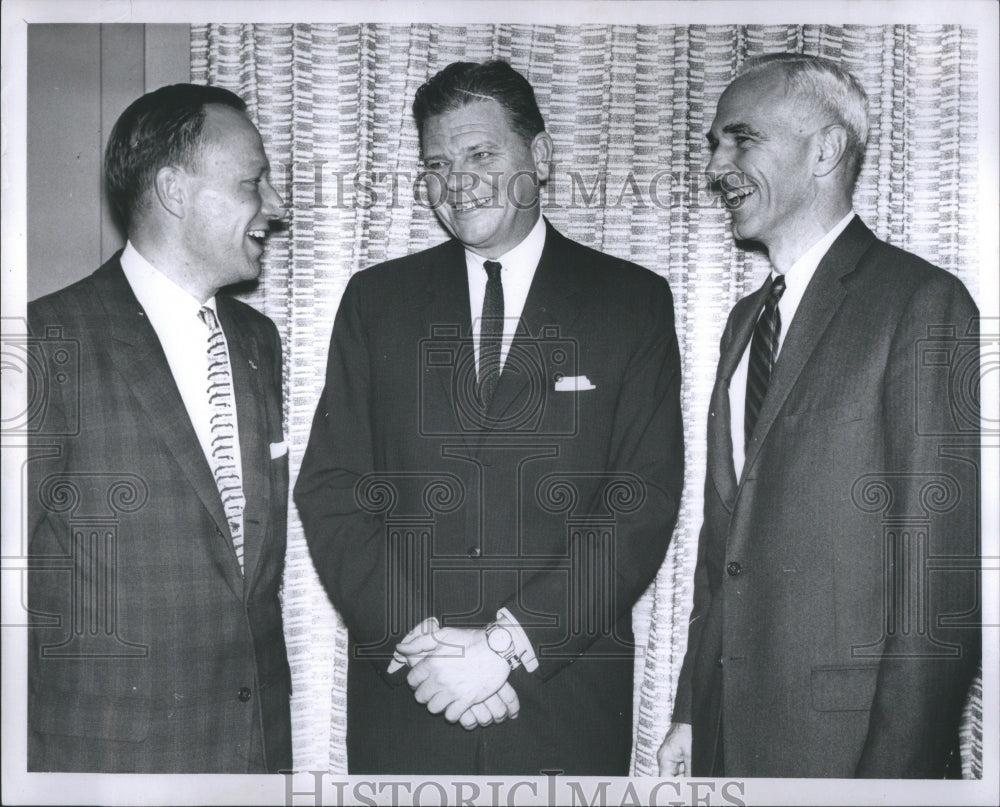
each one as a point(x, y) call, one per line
point(522, 645)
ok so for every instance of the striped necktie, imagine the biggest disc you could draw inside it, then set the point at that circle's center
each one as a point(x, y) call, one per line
point(763, 354)
point(222, 402)
point(490, 334)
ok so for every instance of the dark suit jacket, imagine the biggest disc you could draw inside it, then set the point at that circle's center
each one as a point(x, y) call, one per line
point(560, 508)
point(150, 650)
point(832, 631)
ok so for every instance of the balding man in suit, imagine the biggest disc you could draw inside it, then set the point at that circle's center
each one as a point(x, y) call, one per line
point(842, 462)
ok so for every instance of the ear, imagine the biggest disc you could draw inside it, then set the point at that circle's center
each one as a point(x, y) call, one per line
point(541, 152)
point(171, 190)
point(832, 149)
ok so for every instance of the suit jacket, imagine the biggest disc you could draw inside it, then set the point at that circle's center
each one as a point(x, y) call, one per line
point(833, 630)
point(559, 507)
point(150, 651)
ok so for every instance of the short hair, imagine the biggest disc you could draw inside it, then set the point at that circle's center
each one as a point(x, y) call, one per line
point(462, 83)
point(163, 127)
point(829, 87)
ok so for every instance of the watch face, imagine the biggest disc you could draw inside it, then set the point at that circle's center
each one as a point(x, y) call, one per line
point(499, 640)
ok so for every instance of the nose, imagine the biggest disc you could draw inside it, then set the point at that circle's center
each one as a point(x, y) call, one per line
point(272, 205)
point(719, 162)
point(461, 184)
point(719, 166)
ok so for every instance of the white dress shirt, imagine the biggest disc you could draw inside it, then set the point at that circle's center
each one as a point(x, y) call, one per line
point(796, 280)
point(173, 313)
point(518, 270)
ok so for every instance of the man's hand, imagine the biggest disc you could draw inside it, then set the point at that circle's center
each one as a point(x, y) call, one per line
point(674, 755)
point(461, 672)
point(495, 709)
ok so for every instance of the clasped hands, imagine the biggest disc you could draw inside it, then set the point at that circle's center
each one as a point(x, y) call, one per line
point(454, 671)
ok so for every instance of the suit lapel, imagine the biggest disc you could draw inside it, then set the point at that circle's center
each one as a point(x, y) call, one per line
point(251, 421)
point(822, 298)
point(140, 360)
point(720, 436)
point(550, 310)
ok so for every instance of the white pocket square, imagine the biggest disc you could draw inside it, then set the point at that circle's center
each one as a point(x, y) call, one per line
point(279, 449)
point(573, 383)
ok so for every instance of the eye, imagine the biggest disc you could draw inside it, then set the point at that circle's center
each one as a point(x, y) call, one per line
point(434, 165)
point(483, 155)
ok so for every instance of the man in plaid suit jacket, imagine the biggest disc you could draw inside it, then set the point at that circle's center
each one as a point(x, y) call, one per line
point(156, 640)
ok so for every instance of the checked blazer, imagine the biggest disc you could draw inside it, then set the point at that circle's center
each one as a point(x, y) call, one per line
point(149, 650)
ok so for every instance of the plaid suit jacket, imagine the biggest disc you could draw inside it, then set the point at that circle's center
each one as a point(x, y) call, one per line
point(149, 650)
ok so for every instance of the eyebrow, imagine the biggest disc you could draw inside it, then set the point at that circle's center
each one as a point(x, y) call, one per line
point(741, 129)
point(735, 129)
point(480, 146)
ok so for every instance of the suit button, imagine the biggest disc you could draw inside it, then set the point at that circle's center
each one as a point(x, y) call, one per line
point(718, 661)
point(733, 568)
point(475, 552)
point(244, 694)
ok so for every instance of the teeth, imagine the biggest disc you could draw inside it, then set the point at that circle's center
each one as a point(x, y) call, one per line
point(257, 234)
point(475, 203)
point(738, 194)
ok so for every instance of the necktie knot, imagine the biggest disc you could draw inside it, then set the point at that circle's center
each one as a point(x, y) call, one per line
point(492, 269)
point(207, 315)
point(777, 289)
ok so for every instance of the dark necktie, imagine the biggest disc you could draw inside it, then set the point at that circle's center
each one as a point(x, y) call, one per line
point(763, 353)
point(490, 334)
point(225, 469)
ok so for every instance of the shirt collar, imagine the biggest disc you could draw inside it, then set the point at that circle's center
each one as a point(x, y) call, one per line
point(161, 298)
point(801, 272)
point(522, 258)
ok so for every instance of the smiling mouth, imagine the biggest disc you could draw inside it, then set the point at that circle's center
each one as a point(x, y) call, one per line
point(472, 204)
point(735, 197)
point(257, 236)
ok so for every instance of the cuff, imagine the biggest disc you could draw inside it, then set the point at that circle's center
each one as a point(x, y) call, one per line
point(522, 646)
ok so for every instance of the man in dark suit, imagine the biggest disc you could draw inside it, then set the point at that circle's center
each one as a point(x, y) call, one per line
point(495, 465)
point(834, 627)
point(158, 483)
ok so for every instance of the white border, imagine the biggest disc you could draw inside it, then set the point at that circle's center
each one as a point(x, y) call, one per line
point(21, 788)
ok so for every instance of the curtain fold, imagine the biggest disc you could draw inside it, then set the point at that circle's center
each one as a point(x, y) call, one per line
point(628, 107)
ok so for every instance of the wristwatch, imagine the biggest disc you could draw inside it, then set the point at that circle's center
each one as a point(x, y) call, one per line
point(502, 643)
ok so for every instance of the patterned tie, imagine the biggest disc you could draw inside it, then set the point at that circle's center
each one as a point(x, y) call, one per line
point(763, 353)
point(222, 401)
point(490, 334)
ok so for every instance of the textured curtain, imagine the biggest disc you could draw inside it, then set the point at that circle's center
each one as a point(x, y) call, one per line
point(628, 108)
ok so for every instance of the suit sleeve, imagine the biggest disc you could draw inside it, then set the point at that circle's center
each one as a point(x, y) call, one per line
point(932, 466)
point(347, 544)
point(647, 444)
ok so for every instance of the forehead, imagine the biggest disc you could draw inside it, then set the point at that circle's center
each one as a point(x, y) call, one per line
point(477, 119)
point(229, 133)
point(762, 100)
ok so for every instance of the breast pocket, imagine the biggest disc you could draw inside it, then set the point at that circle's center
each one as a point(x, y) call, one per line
point(821, 417)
